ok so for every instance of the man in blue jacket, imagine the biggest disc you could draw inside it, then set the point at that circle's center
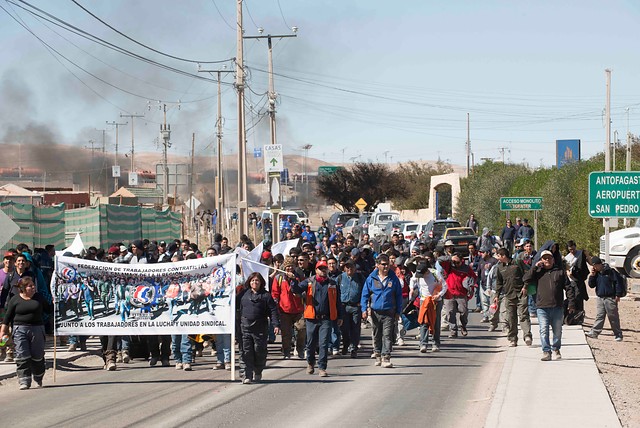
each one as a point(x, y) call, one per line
point(382, 295)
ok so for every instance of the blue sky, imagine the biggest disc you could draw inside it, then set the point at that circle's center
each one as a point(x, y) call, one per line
point(364, 80)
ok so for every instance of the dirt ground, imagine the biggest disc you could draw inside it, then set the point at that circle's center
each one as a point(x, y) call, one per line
point(619, 362)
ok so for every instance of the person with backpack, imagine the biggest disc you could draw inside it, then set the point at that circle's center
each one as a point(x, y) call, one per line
point(577, 271)
point(610, 287)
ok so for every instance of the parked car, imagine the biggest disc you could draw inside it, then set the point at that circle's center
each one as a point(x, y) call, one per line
point(338, 220)
point(378, 222)
point(461, 237)
point(302, 215)
point(407, 228)
point(393, 227)
point(434, 230)
point(293, 216)
point(363, 225)
point(347, 229)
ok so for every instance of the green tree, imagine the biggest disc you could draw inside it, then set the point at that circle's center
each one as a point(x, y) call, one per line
point(415, 180)
point(373, 182)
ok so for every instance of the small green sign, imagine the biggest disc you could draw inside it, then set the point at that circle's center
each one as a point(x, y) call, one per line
point(522, 203)
point(326, 170)
point(614, 194)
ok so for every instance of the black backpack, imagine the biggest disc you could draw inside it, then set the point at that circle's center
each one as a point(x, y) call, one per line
point(619, 281)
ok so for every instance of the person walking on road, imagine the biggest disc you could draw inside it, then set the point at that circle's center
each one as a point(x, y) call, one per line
point(289, 307)
point(509, 279)
point(507, 236)
point(25, 312)
point(351, 283)
point(382, 294)
point(256, 308)
point(429, 285)
point(322, 307)
point(552, 283)
point(460, 288)
point(609, 288)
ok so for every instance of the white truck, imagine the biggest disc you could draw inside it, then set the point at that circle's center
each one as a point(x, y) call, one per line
point(379, 220)
point(624, 250)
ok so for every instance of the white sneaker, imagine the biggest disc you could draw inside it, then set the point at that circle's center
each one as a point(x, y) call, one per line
point(423, 349)
point(557, 355)
point(435, 348)
point(400, 342)
point(186, 367)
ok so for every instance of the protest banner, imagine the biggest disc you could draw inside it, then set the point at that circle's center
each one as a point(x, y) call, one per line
point(188, 297)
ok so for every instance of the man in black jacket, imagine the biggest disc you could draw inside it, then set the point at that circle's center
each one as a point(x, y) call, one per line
point(608, 290)
point(509, 281)
point(552, 282)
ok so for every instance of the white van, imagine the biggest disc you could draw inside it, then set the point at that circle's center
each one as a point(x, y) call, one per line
point(293, 216)
point(379, 220)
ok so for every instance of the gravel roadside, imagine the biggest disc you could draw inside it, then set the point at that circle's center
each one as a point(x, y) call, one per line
point(619, 362)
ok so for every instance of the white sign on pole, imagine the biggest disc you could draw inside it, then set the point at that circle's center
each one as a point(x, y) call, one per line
point(194, 203)
point(8, 228)
point(133, 179)
point(115, 171)
point(273, 160)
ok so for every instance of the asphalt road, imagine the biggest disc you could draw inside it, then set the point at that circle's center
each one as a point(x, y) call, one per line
point(452, 388)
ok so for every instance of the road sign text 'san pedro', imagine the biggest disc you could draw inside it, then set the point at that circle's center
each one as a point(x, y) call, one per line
point(614, 194)
point(521, 203)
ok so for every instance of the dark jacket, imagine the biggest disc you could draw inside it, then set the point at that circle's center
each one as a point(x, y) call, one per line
point(509, 279)
point(321, 295)
point(605, 284)
point(508, 233)
point(526, 232)
point(255, 308)
point(551, 283)
point(351, 288)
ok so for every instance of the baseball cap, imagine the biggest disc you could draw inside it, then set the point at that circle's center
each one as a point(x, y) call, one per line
point(266, 255)
point(596, 260)
point(123, 248)
point(546, 253)
point(9, 255)
point(113, 250)
point(355, 252)
point(321, 263)
point(449, 243)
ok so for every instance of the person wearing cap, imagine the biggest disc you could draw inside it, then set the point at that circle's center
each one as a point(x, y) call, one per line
point(382, 295)
point(308, 235)
point(552, 283)
point(430, 287)
point(125, 256)
point(509, 282)
point(609, 288)
point(289, 307)
point(351, 283)
point(322, 308)
point(460, 287)
point(449, 248)
point(304, 269)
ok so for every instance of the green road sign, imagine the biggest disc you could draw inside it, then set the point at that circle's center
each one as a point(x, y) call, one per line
point(522, 203)
point(322, 170)
point(614, 194)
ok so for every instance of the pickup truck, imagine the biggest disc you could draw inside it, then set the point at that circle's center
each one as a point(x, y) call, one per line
point(379, 220)
point(624, 250)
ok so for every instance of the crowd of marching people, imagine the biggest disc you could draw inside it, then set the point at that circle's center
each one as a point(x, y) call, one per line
point(320, 296)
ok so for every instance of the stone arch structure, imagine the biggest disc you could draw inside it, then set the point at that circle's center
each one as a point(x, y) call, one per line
point(453, 180)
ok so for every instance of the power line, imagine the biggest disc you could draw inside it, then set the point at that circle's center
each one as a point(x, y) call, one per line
point(282, 14)
point(142, 44)
point(69, 27)
point(222, 16)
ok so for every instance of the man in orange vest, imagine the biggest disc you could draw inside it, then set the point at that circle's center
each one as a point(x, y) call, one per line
point(322, 307)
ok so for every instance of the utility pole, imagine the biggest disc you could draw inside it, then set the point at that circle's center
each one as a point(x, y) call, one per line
point(628, 159)
point(219, 185)
point(242, 150)
point(116, 168)
point(469, 146)
point(502, 150)
point(306, 148)
point(132, 116)
point(607, 157)
point(104, 157)
point(273, 178)
point(191, 204)
point(165, 135)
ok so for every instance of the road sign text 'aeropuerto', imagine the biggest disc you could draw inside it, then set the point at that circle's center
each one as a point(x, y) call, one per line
point(614, 194)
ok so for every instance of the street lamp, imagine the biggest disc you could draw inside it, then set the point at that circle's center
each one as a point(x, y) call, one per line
point(306, 149)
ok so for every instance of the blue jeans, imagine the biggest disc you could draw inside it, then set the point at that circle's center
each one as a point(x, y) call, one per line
point(223, 348)
point(532, 304)
point(550, 317)
point(336, 336)
point(318, 335)
point(181, 347)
